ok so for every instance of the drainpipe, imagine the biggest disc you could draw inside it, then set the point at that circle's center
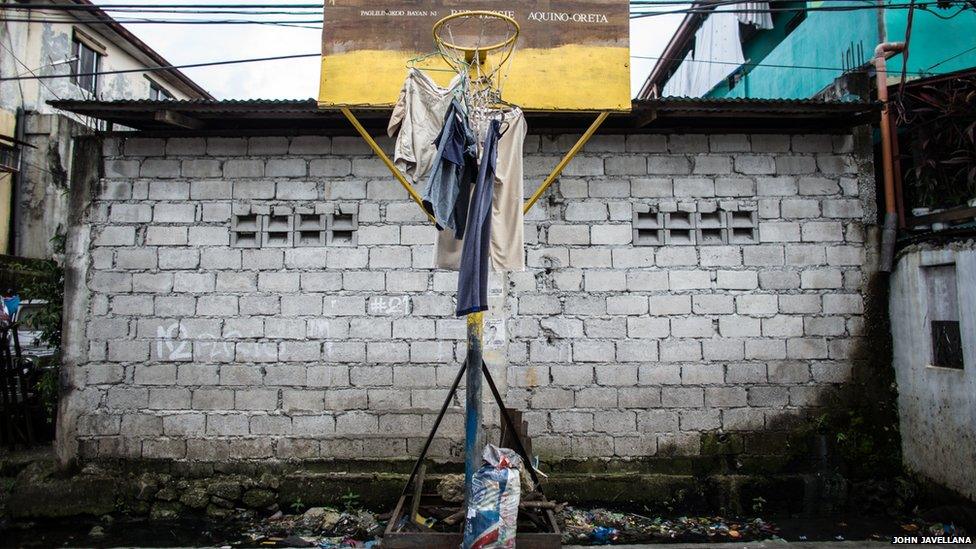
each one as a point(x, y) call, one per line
point(890, 230)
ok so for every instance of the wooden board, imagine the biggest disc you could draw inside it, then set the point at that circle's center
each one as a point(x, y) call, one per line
point(572, 55)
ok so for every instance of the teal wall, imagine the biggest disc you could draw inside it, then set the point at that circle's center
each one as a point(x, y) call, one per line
point(819, 41)
point(934, 40)
point(823, 37)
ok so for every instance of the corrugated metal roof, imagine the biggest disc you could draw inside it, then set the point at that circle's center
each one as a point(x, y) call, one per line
point(687, 113)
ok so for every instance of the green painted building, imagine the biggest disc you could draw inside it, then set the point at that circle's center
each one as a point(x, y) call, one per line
point(812, 43)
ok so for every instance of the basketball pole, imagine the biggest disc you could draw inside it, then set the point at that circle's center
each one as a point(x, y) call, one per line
point(472, 401)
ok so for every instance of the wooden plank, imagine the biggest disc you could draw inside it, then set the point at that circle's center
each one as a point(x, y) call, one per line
point(174, 118)
point(954, 214)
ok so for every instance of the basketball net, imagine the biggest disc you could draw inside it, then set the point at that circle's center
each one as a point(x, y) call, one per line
point(479, 46)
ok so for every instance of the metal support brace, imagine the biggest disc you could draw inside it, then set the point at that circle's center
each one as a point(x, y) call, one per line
point(558, 170)
point(386, 160)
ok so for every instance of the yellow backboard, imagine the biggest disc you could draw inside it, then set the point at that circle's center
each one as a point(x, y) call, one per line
point(572, 55)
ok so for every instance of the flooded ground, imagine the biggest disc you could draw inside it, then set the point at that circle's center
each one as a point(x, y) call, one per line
point(98, 533)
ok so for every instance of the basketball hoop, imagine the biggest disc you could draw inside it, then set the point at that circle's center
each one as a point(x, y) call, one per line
point(465, 39)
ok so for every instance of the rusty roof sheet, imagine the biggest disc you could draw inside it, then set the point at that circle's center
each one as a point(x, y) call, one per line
point(304, 116)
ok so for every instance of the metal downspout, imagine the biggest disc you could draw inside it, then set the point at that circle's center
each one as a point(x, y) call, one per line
point(889, 232)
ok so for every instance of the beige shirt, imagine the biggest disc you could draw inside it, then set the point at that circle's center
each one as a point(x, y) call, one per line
point(507, 223)
point(418, 117)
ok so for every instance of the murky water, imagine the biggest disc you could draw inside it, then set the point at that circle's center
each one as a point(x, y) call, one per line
point(76, 532)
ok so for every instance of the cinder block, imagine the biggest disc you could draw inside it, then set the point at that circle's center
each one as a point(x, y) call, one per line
point(664, 305)
point(638, 281)
point(285, 167)
point(777, 186)
point(812, 143)
point(296, 190)
point(737, 280)
point(843, 304)
point(693, 187)
point(822, 231)
point(166, 236)
point(692, 143)
point(683, 397)
point(818, 186)
point(193, 282)
point(311, 145)
point(646, 143)
point(604, 281)
point(330, 167)
point(680, 350)
point(568, 235)
point(657, 421)
point(754, 164)
point(116, 236)
point(226, 146)
point(689, 280)
point(779, 280)
point(642, 327)
point(821, 279)
point(144, 146)
point(627, 305)
point(782, 326)
point(795, 164)
point(693, 327)
point(765, 349)
point(779, 231)
point(700, 420)
point(723, 349)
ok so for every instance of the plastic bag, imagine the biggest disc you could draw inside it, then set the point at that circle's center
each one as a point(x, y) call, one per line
point(493, 510)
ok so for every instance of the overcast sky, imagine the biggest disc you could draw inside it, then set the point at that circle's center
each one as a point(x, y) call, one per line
point(298, 78)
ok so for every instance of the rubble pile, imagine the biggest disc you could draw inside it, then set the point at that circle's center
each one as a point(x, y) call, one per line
point(322, 527)
point(602, 527)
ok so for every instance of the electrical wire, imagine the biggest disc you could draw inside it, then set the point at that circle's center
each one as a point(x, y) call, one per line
point(760, 64)
point(700, 8)
point(946, 60)
point(307, 55)
point(164, 68)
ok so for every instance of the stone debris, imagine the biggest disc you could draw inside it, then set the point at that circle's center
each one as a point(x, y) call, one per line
point(603, 527)
point(322, 527)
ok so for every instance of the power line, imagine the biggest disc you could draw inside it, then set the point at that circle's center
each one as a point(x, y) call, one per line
point(946, 60)
point(307, 55)
point(165, 68)
point(760, 64)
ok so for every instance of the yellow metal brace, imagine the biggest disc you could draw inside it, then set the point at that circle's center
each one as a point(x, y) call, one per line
point(386, 160)
point(556, 172)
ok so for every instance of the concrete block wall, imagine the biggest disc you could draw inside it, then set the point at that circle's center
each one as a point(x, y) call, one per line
point(196, 350)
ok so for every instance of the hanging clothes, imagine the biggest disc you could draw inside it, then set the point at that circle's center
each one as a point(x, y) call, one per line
point(507, 248)
point(679, 85)
point(473, 276)
point(418, 117)
point(716, 54)
point(454, 170)
point(756, 14)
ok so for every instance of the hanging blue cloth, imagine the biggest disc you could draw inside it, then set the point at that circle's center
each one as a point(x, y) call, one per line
point(448, 186)
point(473, 275)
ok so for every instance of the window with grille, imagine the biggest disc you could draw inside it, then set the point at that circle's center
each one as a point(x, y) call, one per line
point(87, 61)
point(283, 228)
point(158, 93)
point(690, 228)
point(943, 315)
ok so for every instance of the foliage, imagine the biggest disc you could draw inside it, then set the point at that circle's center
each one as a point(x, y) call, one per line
point(47, 286)
point(351, 501)
point(939, 120)
point(298, 506)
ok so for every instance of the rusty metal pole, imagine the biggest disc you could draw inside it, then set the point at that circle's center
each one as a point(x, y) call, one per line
point(472, 402)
